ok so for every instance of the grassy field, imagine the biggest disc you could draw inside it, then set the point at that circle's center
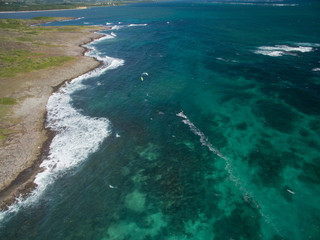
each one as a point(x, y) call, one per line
point(17, 61)
point(19, 41)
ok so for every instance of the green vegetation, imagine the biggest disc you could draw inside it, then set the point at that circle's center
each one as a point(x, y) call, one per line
point(4, 134)
point(17, 6)
point(7, 101)
point(29, 5)
point(18, 39)
point(12, 24)
point(44, 18)
point(17, 61)
point(26, 25)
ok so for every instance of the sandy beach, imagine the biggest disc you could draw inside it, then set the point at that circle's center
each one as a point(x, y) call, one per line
point(28, 142)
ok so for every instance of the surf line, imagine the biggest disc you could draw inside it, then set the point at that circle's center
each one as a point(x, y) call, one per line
point(76, 137)
point(205, 142)
point(203, 139)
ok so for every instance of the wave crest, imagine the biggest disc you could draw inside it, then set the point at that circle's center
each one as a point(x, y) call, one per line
point(280, 50)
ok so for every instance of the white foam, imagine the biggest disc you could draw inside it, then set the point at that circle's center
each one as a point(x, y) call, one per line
point(282, 5)
point(270, 53)
point(225, 60)
point(106, 36)
point(117, 27)
point(263, 4)
point(316, 69)
point(107, 23)
point(203, 139)
point(137, 25)
point(306, 44)
point(280, 50)
point(77, 135)
point(221, 59)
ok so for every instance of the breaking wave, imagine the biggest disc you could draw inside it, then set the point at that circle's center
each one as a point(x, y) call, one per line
point(119, 26)
point(281, 50)
point(137, 25)
point(77, 135)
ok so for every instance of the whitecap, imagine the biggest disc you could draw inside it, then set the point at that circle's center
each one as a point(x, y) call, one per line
point(282, 5)
point(307, 44)
point(280, 50)
point(225, 60)
point(137, 25)
point(316, 69)
point(117, 27)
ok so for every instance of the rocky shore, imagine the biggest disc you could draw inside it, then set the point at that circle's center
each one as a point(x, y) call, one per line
point(28, 142)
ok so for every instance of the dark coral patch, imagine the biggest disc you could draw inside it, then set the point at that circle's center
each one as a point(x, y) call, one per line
point(242, 126)
point(311, 172)
point(242, 223)
point(269, 163)
point(276, 116)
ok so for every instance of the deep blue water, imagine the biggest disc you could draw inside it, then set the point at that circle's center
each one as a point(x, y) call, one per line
point(219, 141)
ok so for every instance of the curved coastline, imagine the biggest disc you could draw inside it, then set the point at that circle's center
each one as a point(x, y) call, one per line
point(23, 183)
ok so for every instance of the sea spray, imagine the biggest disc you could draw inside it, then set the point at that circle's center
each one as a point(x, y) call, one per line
point(76, 135)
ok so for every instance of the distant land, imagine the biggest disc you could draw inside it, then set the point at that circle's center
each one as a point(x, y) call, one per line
point(31, 5)
point(36, 5)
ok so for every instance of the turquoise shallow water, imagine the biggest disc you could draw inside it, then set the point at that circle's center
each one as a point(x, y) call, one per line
point(219, 141)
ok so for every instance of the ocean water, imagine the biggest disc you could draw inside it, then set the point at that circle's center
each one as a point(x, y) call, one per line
point(219, 140)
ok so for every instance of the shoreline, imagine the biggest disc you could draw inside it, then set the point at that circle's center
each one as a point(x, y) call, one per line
point(49, 10)
point(63, 9)
point(23, 183)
